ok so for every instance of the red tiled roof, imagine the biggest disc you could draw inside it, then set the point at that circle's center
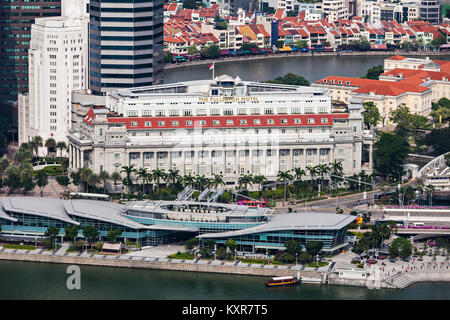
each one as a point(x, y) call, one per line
point(397, 57)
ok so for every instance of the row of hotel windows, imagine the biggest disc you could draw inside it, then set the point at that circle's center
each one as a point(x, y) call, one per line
point(228, 122)
point(226, 112)
point(228, 154)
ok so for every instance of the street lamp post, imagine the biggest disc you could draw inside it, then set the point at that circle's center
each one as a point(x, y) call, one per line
point(296, 255)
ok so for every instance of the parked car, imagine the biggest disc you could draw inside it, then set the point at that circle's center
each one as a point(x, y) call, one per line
point(420, 259)
point(372, 261)
point(406, 259)
point(381, 257)
point(392, 260)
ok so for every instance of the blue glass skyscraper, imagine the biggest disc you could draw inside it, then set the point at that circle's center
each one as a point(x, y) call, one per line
point(126, 44)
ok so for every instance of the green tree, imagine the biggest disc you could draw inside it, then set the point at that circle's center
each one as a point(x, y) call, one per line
point(245, 180)
point(104, 176)
point(63, 181)
point(284, 176)
point(290, 79)
point(314, 248)
point(26, 179)
point(50, 144)
point(210, 52)
point(41, 180)
point(232, 246)
point(71, 231)
point(371, 114)
point(115, 176)
point(37, 142)
point(301, 44)
point(52, 233)
point(190, 244)
point(113, 234)
point(61, 145)
point(438, 140)
point(374, 72)
point(12, 174)
point(286, 258)
point(158, 175)
point(193, 50)
point(401, 247)
point(222, 254)
point(390, 153)
point(4, 163)
point(304, 258)
point(293, 247)
point(168, 57)
point(90, 233)
point(129, 171)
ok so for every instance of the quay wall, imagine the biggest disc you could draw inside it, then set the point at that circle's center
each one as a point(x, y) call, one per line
point(157, 265)
point(299, 55)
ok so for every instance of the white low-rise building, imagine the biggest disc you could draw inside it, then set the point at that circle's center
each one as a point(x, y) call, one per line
point(223, 126)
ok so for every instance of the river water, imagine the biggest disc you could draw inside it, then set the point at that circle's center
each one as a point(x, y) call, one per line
point(309, 67)
point(29, 280)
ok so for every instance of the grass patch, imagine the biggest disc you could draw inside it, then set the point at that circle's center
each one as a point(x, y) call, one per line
point(182, 256)
point(318, 264)
point(18, 246)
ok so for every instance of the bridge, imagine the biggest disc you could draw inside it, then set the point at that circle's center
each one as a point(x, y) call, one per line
point(418, 158)
point(437, 165)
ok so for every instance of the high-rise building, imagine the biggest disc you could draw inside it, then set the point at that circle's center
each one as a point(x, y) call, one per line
point(126, 44)
point(16, 18)
point(430, 10)
point(58, 65)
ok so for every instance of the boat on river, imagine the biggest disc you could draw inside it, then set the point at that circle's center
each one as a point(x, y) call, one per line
point(282, 282)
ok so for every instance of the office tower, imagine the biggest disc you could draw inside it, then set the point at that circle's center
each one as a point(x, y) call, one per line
point(16, 18)
point(58, 65)
point(126, 44)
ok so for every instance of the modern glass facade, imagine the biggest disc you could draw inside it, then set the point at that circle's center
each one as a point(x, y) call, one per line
point(16, 18)
point(126, 44)
point(332, 239)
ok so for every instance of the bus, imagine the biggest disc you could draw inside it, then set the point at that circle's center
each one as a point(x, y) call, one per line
point(252, 203)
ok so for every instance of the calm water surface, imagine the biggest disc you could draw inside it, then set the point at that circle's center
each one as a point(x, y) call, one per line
point(28, 280)
point(312, 68)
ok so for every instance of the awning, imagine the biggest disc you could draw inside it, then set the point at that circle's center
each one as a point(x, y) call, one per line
point(224, 52)
point(285, 48)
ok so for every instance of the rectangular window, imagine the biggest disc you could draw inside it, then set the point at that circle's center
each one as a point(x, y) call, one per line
point(189, 122)
point(257, 121)
point(230, 122)
point(243, 122)
point(216, 122)
point(175, 123)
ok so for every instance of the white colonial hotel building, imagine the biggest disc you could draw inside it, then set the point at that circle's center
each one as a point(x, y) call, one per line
point(223, 126)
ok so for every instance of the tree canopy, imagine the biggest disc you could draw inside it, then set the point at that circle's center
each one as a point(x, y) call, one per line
point(390, 153)
point(371, 114)
point(374, 72)
point(290, 78)
point(400, 247)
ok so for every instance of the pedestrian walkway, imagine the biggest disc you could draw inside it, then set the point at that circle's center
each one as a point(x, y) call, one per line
point(61, 251)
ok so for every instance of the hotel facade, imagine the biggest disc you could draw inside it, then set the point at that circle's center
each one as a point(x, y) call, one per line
point(223, 126)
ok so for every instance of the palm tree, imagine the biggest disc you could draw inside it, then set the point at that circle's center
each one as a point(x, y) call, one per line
point(245, 180)
point(93, 180)
point(322, 169)
point(157, 175)
point(259, 180)
point(61, 145)
point(336, 169)
point(188, 180)
point(201, 182)
point(143, 174)
point(217, 181)
point(104, 176)
point(173, 176)
point(84, 176)
point(115, 176)
point(298, 174)
point(4, 163)
point(429, 191)
point(50, 144)
point(312, 171)
point(36, 142)
point(128, 170)
point(284, 176)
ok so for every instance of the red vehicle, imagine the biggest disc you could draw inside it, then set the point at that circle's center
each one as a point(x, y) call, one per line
point(252, 203)
point(371, 261)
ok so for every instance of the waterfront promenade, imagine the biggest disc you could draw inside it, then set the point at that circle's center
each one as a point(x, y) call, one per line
point(299, 55)
point(393, 275)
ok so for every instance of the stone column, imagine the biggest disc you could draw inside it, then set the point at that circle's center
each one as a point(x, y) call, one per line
point(70, 155)
point(82, 158)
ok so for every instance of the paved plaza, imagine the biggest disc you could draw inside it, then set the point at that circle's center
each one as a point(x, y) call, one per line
point(161, 251)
